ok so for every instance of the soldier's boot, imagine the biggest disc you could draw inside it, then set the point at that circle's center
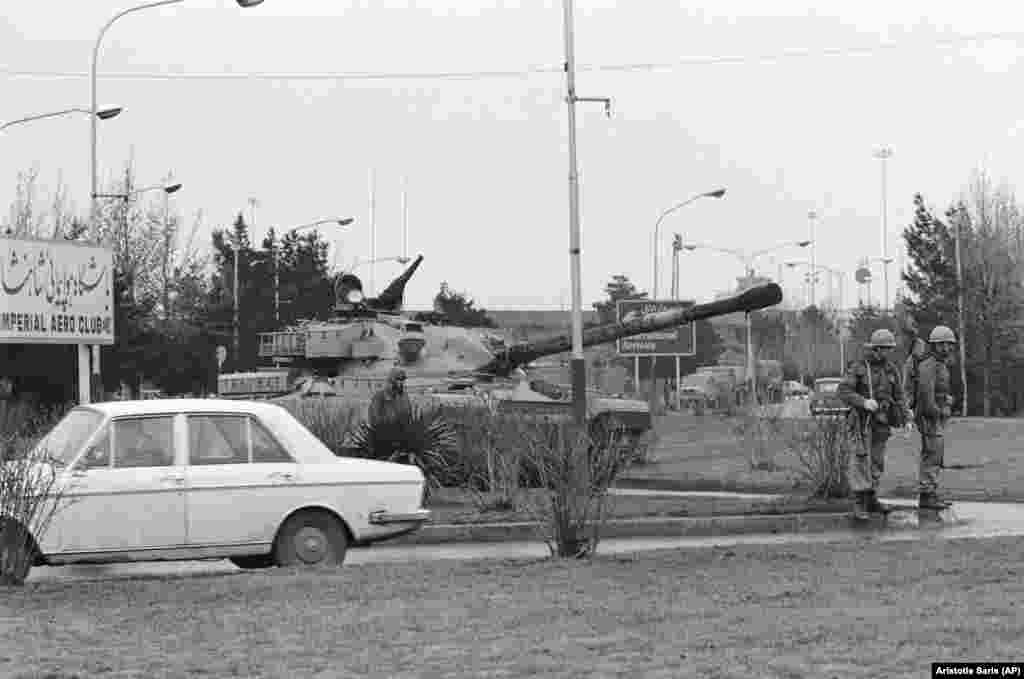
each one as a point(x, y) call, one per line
point(932, 501)
point(860, 506)
point(874, 506)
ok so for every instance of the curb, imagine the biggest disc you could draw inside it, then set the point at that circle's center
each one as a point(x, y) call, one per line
point(669, 527)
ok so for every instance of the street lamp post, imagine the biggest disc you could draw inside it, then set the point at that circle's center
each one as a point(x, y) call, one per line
point(94, 180)
point(960, 316)
point(579, 377)
point(277, 266)
point(717, 193)
point(92, 79)
point(841, 276)
point(884, 154)
point(748, 259)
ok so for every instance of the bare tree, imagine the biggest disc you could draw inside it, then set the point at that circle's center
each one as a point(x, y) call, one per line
point(989, 221)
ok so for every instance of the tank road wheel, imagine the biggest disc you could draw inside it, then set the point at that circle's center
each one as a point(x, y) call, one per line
point(310, 538)
point(253, 561)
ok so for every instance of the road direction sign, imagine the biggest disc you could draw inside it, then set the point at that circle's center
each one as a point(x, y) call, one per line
point(678, 341)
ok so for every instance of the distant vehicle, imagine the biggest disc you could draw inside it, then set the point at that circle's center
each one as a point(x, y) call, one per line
point(825, 400)
point(177, 479)
point(794, 389)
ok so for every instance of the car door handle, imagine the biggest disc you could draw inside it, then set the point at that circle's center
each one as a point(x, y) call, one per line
point(178, 480)
point(283, 476)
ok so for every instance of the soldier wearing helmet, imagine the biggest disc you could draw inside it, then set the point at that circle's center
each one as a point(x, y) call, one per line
point(873, 390)
point(391, 402)
point(933, 404)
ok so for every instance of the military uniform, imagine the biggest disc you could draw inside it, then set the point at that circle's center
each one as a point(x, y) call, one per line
point(879, 380)
point(933, 410)
point(390, 402)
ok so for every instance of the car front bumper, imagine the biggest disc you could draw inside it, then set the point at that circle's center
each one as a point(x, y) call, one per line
point(381, 517)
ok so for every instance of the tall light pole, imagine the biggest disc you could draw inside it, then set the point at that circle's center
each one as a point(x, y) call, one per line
point(717, 193)
point(960, 314)
point(748, 259)
point(884, 154)
point(579, 376)
point(95, 57)
point(841, 276)
point(275, 256)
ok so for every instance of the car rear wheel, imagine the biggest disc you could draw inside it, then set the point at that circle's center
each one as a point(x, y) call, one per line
point(310, 538)
point(250, 562)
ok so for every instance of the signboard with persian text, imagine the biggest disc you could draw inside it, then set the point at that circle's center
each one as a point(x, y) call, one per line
point(55, 292)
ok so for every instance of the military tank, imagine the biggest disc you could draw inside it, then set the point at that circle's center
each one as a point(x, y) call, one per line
point(347, 358)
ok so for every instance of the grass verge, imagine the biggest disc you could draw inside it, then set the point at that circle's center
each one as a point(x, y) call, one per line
point(457, 506)
point(855, 609)
point(701, 453)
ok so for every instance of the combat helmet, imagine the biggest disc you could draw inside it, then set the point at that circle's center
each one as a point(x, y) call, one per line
point(942, 334)
point(882, 338)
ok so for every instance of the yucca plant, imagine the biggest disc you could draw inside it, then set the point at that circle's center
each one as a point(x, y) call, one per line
point(422, 438)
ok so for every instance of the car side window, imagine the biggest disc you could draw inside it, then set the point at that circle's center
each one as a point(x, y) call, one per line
point(97, 456)
point(265, 447)
point(217, 439)
point(144, 442)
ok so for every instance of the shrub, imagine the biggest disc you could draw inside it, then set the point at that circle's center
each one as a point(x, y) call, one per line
point(577, 466)
point(330, 421)
point(29, 498)
point(760, 436)
point(823, 447)
point(422, 438)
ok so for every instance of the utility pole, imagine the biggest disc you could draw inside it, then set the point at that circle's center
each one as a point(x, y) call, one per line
point(373, 230)
point(884, 154)
point(579, 376)
point(960, 314)
point(811, 216)
point(235, 356)
point(405, 218)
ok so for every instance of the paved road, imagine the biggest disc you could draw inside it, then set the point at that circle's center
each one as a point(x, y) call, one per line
point(975, 520)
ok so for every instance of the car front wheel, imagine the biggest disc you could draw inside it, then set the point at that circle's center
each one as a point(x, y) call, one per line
point(310, 539)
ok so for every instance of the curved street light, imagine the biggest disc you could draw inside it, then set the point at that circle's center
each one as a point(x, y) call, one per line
point(748, 262)
point(841, 275)
point(95, 56)
point(102, 114)
point(340, 221)
point(166, 188)
point(717, 193)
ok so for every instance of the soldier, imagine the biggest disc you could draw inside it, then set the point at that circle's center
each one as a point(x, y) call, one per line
point(933, 404)
point(391, 402)
point(873, 389)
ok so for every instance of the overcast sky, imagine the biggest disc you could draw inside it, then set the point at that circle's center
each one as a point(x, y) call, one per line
point(486, 158)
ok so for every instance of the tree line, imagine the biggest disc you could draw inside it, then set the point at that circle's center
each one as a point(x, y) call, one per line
point(175, 300)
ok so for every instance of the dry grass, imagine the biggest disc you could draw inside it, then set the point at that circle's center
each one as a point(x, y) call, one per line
point(453, 505)
point(701, 453)
point(857, 609)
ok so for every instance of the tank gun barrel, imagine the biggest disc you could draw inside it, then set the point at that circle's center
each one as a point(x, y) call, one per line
point(752, 299)
point(391, 298)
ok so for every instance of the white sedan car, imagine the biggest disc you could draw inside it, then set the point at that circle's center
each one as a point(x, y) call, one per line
point(196, 479)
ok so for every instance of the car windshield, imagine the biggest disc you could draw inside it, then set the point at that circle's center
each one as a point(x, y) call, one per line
point(828, 387)
point(69, 435)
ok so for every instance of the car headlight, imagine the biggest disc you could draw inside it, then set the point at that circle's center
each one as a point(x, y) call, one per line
point(355, 296)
